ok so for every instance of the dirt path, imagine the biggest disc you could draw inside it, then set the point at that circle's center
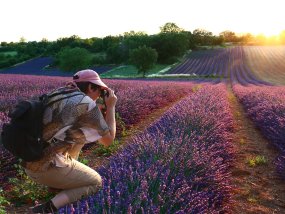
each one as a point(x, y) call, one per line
point(257, 188)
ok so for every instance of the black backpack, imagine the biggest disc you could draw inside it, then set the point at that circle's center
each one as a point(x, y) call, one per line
point(22, 136)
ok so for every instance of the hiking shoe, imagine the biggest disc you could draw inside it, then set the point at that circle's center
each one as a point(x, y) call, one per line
point(47, 207)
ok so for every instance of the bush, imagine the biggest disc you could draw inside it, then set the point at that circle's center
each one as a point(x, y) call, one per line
point(72, 59)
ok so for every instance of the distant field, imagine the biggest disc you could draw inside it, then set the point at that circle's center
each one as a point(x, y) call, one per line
point(242, 64)
point(261, 65)
point(267, 62)
point(37, 67)
point(129, 71)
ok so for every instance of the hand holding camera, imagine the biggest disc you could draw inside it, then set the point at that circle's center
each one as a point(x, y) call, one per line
point(109, 97)
point(109, 100)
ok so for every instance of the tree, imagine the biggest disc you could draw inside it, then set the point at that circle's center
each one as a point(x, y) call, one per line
point(97, 44)
point(22, 40)
point(72, 59)
point(133, 33)
point(170, 46)
point(229, 36)
point(202, 37)
point(217, 40)
point(3, 44)
point(246, 38)
point(170, 27)
point(144, 58)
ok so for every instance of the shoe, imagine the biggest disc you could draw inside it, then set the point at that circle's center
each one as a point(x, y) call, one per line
point(45, 208)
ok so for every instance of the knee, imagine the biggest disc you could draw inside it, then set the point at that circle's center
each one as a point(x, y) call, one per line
point(97, 184)
point(94, 188)
point(100, 182)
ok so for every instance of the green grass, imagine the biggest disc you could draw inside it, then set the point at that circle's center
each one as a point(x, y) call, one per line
point(183, 76)
point(3, 202)
point(258, 160)
point(107, 151)
point(11, 53)
point(24, 190)
point(129, 71)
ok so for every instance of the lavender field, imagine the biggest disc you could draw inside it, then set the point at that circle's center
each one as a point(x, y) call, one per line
point(131, 95)
point(182, 159)
point(39, 66)
point(241, 64)
point(173, 167)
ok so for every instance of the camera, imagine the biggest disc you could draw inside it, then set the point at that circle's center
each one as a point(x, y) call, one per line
point(104, 93)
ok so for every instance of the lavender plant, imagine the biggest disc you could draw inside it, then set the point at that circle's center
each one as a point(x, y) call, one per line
point(266, 107)
point(178, 165)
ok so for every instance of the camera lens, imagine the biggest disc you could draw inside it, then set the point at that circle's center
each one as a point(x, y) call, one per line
point(104, 93)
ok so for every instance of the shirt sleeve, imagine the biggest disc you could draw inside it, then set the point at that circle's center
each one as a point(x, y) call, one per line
point(89, 127)
point(94, 125)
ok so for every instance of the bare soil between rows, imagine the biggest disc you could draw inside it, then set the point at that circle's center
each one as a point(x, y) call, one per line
point(258, 189)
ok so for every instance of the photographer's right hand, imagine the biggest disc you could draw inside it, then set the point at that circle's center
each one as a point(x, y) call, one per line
point(111, 100)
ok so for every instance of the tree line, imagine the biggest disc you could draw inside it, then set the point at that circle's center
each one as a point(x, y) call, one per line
point(166, 47)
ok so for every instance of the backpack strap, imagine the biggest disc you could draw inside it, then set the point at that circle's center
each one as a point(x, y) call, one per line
point(63, 98)
point(50, 95)
point(63, 92)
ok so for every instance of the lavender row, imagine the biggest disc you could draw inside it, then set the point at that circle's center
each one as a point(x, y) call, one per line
point(180, 164)
point(225, 64)
point(267, 61)
point(240, 72)
point(266, 107)
point(136, 100)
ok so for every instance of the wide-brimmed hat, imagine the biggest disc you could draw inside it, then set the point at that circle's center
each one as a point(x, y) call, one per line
point(89, 75)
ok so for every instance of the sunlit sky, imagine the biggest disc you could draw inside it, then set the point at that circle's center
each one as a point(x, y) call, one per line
point(52, 19)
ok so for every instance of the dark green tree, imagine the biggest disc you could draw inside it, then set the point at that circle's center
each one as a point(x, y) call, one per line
point(97, 44)
point(202, 37)
point(72, 59)
point(116, 54)
point(110, 41)
point(246, 38)
point(143, 58)
point(217, 40)
point(229, 36)
point(170, 27)
point(170, 46)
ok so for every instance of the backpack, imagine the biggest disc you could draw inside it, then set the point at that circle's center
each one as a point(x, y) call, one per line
point(22, 136)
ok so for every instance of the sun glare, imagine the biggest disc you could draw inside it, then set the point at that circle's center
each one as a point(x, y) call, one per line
point(270, 33)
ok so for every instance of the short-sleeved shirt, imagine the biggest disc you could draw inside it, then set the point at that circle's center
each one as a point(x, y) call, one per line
point(75, 118)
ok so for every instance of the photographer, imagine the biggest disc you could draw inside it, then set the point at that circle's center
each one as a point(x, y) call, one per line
point(69, 124)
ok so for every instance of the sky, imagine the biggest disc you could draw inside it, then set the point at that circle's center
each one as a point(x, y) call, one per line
point(53, 19)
